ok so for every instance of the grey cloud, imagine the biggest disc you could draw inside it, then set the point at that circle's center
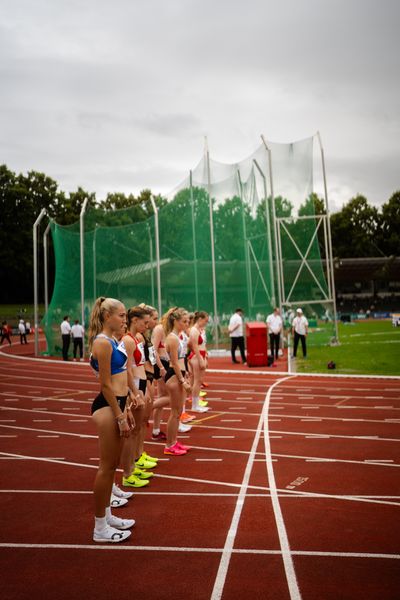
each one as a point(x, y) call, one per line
point(119, 96)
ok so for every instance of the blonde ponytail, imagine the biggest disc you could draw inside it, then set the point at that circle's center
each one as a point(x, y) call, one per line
point(96, 322)
point(169, 318)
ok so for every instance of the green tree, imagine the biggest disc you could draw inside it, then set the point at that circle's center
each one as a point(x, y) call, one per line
point(355, 229)
point(22, 197)
point(389, 240)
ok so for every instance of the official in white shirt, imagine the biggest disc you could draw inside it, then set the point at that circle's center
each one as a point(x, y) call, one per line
point(66, 336)
point(77, 338)
point(274, 324)
point(22, 331)
point(300, 331)
point(236, 334)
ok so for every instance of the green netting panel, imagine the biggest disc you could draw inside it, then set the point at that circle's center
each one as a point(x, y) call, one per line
point(120, 246)
point(67, 289)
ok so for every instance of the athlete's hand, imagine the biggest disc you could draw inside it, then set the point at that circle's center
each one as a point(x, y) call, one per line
point(124, 429)
point(140, 400)
point(131, 420)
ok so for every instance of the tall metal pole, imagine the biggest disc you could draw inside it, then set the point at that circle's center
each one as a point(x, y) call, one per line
point(269, 234)
point(155, 209)
point(35, 279)
point(151, 262)
point(94, 251)
point(330, 258)
point(45, 267)
point(214, 278)
point(246, 249)
point(82, 253)
point(275, 226)
point(196, 284)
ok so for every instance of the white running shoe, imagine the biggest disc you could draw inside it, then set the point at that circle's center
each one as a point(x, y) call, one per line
point(116, 502)
point(110, 535)
point(120, 493)
point(184, 428)
point(200, 409)
point(118, 523)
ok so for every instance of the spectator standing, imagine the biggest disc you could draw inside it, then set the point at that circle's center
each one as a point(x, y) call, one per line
point(22, 331)
point(275, 325)
point(77, 332)
point(66, 336)
point(300, 331)
point(5, 333)
point(236, 334)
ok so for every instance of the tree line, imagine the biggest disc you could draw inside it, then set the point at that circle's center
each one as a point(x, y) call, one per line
point(358, 229)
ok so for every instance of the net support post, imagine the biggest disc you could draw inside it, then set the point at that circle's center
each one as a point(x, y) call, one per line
point(82, 258)
point(246, 249)
point(196, 284)
point(278, 258)
point(155, 209)
point(35, 278)
point(330, 257)
point(268, 222)
point(46, 268)
point(214, 278)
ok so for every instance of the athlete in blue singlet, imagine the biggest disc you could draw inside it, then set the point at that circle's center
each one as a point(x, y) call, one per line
point(109, 412)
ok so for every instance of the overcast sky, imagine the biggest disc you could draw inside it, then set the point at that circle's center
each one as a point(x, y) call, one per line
point(118, 96)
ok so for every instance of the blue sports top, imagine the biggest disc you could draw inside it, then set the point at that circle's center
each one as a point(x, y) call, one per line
point(118, 357)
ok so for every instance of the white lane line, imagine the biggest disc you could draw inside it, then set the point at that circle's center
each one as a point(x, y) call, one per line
point(115, 547)
point(379, 460)
point(274, 420)
point(78, 420)
point(11, 400)
point(237, 408)
point(283, 538)
point(312, 420)
point(317, 435)
point(42, 420)
point(39, 399)
point(48, 436)
point(209, 459)
point(230, 538)
point(274, 437)
point(231, 420)
point(335, 460)
point(7, 420)
point(222, 437)
point(69, 408)
point(8, 436)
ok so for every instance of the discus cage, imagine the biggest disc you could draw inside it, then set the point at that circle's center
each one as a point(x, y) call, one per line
point(243, 234)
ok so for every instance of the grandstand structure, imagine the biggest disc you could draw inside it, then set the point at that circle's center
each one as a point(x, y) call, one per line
point(230, 234)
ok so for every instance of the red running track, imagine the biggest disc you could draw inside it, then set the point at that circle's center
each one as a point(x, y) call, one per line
point(291, 490)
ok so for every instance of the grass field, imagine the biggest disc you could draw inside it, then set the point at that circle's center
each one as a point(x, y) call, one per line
point(366, 348)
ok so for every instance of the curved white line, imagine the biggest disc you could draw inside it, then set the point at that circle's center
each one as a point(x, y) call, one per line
point(283, 538)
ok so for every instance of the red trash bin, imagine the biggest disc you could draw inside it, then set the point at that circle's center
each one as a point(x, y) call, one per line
point(256, 344)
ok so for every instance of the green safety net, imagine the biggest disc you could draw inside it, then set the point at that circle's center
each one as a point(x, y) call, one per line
point(262, 253)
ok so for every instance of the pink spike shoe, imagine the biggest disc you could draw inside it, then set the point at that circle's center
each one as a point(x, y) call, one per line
point(174, 450)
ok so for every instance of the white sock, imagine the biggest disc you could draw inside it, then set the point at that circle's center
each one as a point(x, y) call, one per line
point(156, 431)
point(108, 513)
point(100, 523)
point(195, 402)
